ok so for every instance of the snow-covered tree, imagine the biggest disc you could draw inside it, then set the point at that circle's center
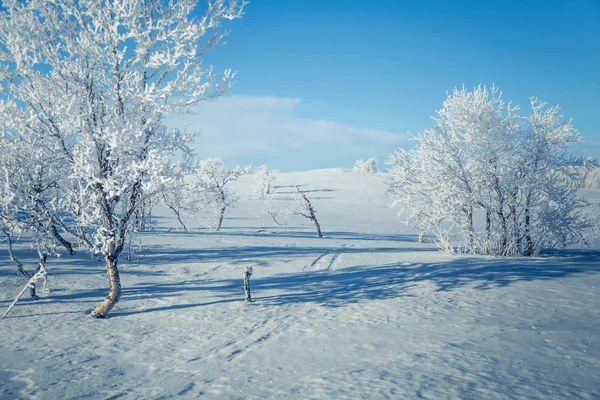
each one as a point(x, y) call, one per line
point(366, 167)
point(210, 183)
point(180, 196)
point(305, 209)
point(551, 213)
point(482, 158)
point(93, 80)
point(264, 177)
point(175, 200)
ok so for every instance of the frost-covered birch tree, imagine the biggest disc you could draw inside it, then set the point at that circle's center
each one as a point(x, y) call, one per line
point(210, 186)
point(95, 79)
point(482, 159)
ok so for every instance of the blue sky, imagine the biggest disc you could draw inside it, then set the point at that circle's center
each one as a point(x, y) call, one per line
point(361, 74)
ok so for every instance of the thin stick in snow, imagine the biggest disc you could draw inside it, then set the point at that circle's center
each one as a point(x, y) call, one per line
point(247, 275)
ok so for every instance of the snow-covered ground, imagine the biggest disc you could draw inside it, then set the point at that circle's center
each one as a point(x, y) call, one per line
point(365, 312)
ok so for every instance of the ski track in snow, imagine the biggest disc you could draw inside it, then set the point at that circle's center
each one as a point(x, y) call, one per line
point(365, 312)
point(332, 261)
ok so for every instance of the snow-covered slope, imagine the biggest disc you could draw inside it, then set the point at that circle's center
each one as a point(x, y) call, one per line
point(365, 312)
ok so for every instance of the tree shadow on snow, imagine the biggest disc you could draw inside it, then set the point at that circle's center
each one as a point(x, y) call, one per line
point(258, 255)
point(282, 232)
point(364, 283)
point(335, 288)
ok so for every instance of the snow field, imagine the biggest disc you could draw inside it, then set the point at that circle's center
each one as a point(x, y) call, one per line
point(365, 312)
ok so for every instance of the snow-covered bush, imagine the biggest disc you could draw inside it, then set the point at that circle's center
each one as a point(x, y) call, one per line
point(366, 167)
point(482, 159)
point(93, 81)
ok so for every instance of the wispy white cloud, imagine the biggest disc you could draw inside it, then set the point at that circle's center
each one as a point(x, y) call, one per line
point(255, 130)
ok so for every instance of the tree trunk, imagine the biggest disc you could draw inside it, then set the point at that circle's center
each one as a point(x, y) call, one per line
point(140, 217)
point(185, 229)
point(42, 268)
point(114, 294)
point(268, 184)
point(529, 242)
point(318, 227)
point(504, 234)
point(516, 240)
point(501, 217)
point(19, 265)
point(471, 229)
point(488, 230)
point(178, 215)
point(67, 245)
point(221, 216)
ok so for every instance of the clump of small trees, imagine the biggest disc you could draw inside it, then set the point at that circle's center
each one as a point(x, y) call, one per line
point(497, 180)
point(204, 188)
point(366, 167)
